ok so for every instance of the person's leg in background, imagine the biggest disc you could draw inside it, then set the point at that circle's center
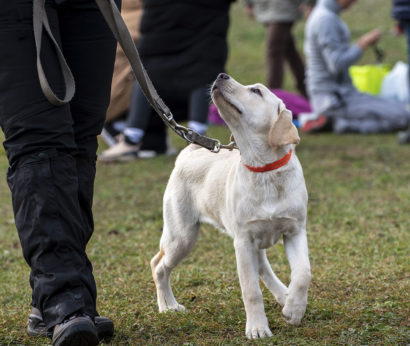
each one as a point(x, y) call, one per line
point(277, 35)
point(130, 141)
point(138, 116)
point(296, 63)
point(364, 113)
point(130, 146)
point(186, 104)
point(198, 109)
point(280, 46)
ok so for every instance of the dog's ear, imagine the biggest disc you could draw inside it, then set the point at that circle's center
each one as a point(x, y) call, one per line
point(232, 138)
point(283, 132)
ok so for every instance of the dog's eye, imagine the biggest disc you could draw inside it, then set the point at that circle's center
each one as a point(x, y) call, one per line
point(256, 91)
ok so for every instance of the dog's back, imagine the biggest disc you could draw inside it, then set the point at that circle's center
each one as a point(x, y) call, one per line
point(199, 180)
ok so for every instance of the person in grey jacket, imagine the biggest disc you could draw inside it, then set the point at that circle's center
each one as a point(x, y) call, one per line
point(278, 16)
point(401, 12)
point(329, 54)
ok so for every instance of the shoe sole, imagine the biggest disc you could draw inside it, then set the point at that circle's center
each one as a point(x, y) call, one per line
point(147, 154)
point(80, 334)
point(124, 158)
point(105, 330)
point(316, 125)
point(43, 333)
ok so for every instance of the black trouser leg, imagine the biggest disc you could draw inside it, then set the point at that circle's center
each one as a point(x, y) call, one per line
point(48, 146)
point(86, 175)
point(50, 224)
point(199, 104)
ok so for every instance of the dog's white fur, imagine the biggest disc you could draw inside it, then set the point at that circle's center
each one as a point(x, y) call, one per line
point(255, 209)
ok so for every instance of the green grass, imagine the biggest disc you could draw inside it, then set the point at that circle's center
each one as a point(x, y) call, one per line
point(358, 232)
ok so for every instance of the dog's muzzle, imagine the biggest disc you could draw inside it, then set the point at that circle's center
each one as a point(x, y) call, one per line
point(221, 76)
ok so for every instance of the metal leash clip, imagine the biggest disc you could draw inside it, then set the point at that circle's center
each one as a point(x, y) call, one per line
point(217, 146)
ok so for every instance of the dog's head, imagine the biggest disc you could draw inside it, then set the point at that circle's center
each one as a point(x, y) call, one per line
point(253, 113)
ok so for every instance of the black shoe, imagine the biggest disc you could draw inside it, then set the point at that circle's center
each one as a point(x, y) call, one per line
point(37, 327)
point(74, 331)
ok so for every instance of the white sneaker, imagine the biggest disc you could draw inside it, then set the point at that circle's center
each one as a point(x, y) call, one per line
point(149, 154)
point(122, 151)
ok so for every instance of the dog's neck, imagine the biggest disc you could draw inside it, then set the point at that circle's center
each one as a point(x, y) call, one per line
point(271, 166)
point(266, 159)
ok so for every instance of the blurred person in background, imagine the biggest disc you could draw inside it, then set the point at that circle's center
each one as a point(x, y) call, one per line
point(123, 78)
point(329, 54)
point(279, 17)
point(401, 13)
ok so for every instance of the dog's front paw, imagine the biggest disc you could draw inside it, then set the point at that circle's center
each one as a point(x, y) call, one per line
point(176, 307)
point(255, 332)
point(293, 313)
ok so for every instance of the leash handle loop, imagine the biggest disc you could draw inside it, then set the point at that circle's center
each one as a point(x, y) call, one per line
point(40, 21)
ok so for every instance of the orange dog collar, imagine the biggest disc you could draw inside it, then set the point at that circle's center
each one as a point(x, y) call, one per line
point(271, 166)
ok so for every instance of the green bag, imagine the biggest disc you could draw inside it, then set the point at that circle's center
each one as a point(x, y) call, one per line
point(368, 78)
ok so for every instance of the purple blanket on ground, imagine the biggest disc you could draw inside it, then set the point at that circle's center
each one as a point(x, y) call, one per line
point(294, 102)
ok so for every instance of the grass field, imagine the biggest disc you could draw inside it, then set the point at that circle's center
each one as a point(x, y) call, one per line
point(358, 232)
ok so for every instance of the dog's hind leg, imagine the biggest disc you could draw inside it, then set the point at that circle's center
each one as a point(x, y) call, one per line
point(177, 241)
point(277, 288)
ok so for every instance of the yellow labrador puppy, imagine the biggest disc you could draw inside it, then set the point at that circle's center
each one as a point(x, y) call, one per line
point(255, 194)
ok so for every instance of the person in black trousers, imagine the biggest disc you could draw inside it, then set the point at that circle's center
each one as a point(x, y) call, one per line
point(52, 153)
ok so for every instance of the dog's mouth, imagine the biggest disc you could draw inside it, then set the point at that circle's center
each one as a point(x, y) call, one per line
point(216, 92)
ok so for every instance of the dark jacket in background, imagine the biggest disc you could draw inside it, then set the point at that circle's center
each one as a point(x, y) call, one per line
point(183, 46)
point(401, 9)
point(183, 43)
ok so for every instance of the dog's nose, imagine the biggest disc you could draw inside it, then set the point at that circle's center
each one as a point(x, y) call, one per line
point(223, 76)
